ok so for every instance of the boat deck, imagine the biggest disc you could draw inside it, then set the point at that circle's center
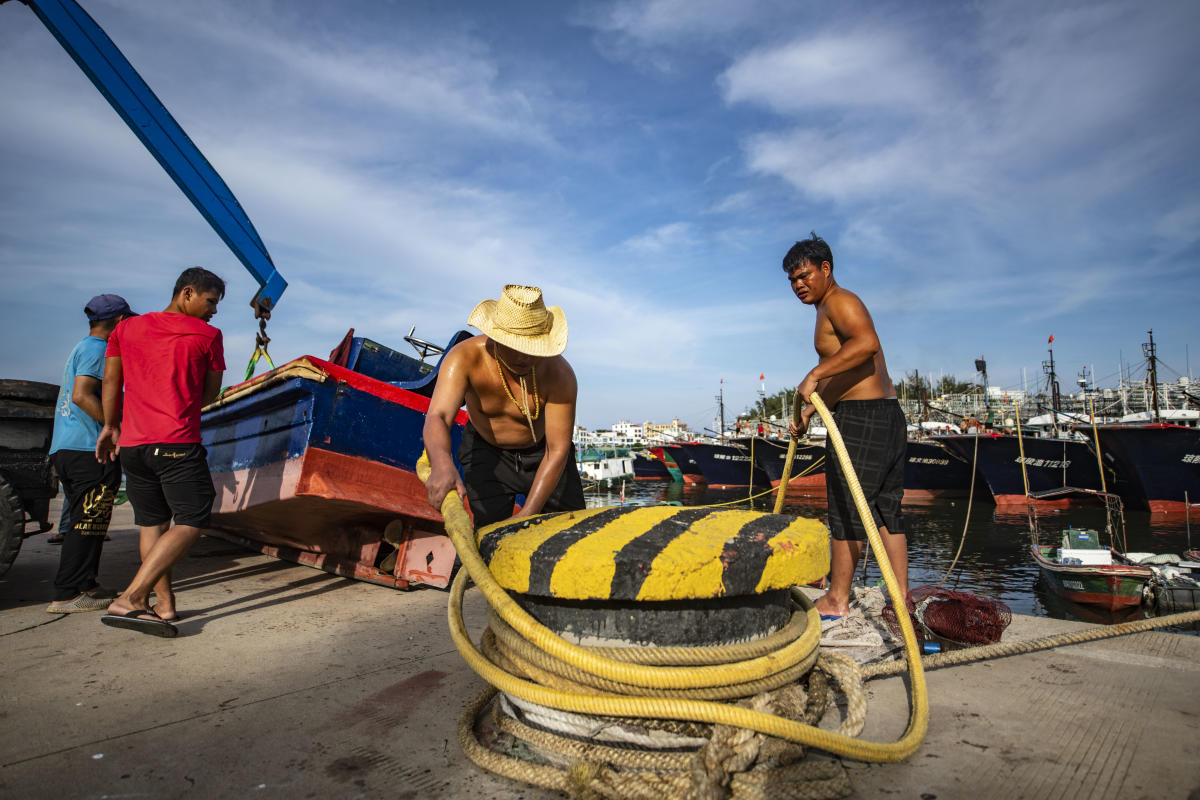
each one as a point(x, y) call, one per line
point(286, 681)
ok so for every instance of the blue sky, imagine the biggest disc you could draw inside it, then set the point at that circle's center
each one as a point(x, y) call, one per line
point(987, 174)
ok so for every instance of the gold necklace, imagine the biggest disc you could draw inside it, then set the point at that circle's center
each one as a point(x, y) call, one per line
point(523, 408)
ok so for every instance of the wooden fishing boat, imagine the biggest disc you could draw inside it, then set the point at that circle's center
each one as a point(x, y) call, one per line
point(314, 462)
point(1111, 585)
point(1083, 570)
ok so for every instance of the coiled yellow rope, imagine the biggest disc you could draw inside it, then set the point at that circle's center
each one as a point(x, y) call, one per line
point(729, 670)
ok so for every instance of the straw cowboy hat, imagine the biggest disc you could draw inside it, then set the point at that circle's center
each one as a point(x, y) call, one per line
point(520, 320)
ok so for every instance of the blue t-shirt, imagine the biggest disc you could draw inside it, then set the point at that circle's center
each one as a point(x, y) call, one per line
point(73, 428)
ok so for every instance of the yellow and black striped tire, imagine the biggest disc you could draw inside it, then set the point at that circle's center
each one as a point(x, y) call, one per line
point(654, 553)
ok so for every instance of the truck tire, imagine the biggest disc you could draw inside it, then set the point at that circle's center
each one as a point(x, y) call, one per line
point(12, 525)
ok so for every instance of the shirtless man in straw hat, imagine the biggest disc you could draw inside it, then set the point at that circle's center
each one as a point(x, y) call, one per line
point(520, 396)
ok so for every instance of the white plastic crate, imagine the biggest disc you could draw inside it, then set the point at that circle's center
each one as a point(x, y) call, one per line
point(1084, 557)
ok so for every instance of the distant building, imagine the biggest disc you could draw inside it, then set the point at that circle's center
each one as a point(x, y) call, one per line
point(630, 430)
point(665, 434)
point(626, 434)
point(1006, 395)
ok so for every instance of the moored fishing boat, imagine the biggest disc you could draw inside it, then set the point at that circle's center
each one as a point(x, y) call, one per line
point(689, 470)
point(315, 463)
point(673, 469)
point(1049, 464)
point(725, 466)
point(808, 464)
point(1083, 570)
point(649, 467)
point(1159, 463)
point(1109, 584)
point(932, 471)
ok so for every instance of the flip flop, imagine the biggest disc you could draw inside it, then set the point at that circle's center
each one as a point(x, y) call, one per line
point(831, 617)
point(135, 621)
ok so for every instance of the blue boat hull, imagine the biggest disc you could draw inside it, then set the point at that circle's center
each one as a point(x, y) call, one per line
point(316, 463)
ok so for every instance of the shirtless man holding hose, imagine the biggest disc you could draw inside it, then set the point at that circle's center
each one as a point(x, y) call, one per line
point(852, 379)
point(520, 396)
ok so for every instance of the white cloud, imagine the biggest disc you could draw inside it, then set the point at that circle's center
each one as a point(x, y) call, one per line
point(664, 238)
point(874, 70)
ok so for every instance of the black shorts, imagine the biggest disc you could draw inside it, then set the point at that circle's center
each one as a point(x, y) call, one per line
point(495, 476)
point(91, 490)
point(168, 480)
point(875, 433)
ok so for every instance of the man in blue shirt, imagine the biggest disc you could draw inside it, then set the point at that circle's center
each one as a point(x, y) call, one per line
point(90, 486)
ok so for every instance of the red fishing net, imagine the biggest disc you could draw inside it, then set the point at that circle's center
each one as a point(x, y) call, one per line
point(955, 616)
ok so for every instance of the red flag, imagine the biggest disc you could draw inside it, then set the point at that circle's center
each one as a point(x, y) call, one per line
point(762, 376)
point(1051, 339)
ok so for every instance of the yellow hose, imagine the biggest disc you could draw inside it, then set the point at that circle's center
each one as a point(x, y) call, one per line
point(461, 532)
point(797, 407)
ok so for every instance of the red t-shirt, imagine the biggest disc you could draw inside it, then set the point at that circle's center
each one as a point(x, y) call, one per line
point(164, 358)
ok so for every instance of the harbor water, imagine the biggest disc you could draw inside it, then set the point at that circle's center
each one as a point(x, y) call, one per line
point(995, 559)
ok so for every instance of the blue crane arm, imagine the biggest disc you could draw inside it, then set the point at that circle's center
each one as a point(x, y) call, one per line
point(150, 121)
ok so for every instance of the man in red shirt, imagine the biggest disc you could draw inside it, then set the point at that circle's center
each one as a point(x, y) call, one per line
point(170, 364)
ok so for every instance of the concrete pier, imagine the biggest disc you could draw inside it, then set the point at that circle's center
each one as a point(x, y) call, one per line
point(289, 682)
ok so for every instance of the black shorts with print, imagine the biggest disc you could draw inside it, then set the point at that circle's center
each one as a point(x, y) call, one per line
point(494, 477)
point(91, 489)
point(166, 481)
point(875, 433)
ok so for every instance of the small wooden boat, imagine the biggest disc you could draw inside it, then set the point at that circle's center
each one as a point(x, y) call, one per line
point(1085, 571)
point(1110, 585)
point(315, 462)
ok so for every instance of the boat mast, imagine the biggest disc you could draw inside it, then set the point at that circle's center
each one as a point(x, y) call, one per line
point(1152, 361)
point(1052, 383)
point(721, 408)
point(981, 368)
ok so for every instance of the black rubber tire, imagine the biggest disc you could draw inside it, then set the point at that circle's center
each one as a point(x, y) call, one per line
point(36, 392)
point(682, 623)
point(12, 525)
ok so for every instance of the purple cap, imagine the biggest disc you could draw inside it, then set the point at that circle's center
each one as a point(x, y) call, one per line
point(107, 306)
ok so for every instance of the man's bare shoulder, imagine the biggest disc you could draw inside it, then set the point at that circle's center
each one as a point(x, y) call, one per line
point(842, 303)
point(559, 377)
point(842, 296)
point(466, 352)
